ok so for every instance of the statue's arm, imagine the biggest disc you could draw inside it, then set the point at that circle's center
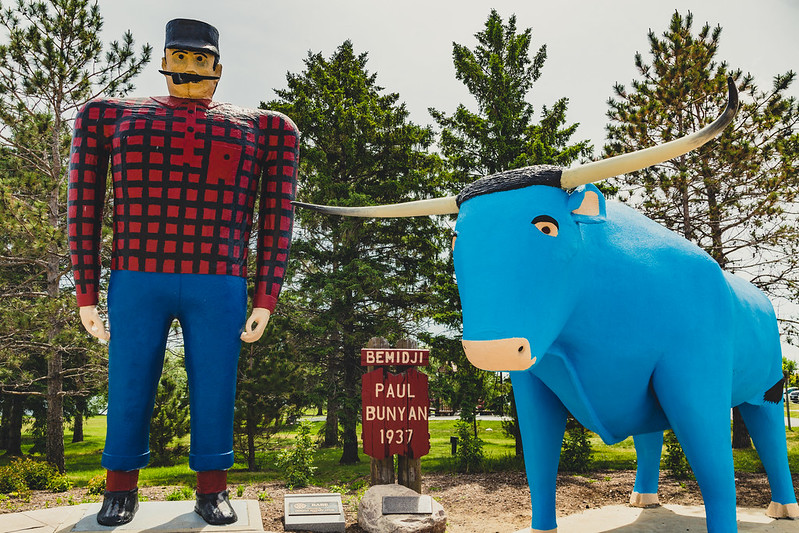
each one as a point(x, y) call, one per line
point(88, 165)
point(276, 219)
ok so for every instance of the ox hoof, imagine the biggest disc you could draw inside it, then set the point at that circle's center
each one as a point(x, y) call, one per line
point(778, 510)
point(638, 499)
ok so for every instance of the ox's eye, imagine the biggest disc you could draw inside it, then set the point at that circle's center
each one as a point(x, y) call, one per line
point(546, 225)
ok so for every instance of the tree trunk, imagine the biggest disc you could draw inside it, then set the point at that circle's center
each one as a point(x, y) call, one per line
point(55, 400)
point(740, 435)
point(517, 437)
point(55, 412)
point(5, 411)
point(14, 437)
point(250, 444)
point(77, 430)
point(331, 419)
point(352, 400)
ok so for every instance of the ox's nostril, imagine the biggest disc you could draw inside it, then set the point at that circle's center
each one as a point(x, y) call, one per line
point(521, 348)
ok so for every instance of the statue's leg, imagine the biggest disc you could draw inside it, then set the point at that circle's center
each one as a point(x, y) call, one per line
point(695, 399)
point(542, 421)
point(648, 447)
point(212, 315)
point(766, 425)
point(139, 315)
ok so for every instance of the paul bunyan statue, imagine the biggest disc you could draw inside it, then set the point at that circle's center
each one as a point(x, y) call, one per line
point(185, 173)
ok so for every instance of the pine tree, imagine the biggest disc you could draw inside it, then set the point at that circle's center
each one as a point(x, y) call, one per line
point(51, 62)
point(170, 420)
point(732, 196)
point(273, 381)
point(502, 135)
point(358, 278)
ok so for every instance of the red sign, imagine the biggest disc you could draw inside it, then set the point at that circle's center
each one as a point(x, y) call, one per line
point(395, 408)
point(394, 356)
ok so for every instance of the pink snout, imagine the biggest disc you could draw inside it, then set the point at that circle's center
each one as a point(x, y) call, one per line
point(499, 354)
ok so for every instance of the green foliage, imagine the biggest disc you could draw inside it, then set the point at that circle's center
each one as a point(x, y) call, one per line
point(576, 453)
point(271, 386)
point(170, 421)
point(356, 278)
point(96, 485)
point(27, 474)
point(500, 72)
point(180, 494)
point(59, 483)
point(674, 461)
point(469, 456)
point(730, 195)
point(297, 461)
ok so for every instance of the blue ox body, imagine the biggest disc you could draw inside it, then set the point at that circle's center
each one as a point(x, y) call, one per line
point(599, 311)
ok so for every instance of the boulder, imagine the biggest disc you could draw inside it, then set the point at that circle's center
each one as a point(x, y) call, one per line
point(372, 519)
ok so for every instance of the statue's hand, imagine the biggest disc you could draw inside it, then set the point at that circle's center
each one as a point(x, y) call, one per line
point(256, 324)
point(93, 323)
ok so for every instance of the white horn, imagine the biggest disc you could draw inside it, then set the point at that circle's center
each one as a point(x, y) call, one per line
point(622, 164)
point(433, 206)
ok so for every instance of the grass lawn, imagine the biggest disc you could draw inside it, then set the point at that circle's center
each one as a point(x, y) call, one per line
point(83, 459)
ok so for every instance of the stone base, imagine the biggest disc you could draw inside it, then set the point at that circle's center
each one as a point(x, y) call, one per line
point(664, 518)
point(372, 519)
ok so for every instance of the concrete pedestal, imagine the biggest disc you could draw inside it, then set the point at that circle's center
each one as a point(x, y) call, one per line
point(172, 517)
point(625, 519)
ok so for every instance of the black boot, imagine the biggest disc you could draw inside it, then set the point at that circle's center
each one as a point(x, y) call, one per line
point(118, 507)
point(215, 508)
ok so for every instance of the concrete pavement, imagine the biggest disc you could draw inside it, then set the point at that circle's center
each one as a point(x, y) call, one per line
point(161, 517)
point(666, 518)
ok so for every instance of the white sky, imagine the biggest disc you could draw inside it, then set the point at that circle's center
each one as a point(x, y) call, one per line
point(590, 43)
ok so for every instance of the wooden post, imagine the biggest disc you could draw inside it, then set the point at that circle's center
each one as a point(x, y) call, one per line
point(382, 470)
point(409, 470)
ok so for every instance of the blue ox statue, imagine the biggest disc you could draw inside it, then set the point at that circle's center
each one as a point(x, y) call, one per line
point(600, 312)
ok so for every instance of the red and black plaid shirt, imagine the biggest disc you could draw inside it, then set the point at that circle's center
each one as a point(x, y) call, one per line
point(185, 176)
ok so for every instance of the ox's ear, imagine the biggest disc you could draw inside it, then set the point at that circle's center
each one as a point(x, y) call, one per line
point(587, 204)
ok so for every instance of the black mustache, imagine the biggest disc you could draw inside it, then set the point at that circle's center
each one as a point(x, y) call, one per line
point(179, 78)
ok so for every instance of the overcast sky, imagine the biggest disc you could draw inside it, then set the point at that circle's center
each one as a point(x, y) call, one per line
point(590, 43)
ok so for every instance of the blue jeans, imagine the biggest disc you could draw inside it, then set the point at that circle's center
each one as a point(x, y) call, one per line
point(141, 307)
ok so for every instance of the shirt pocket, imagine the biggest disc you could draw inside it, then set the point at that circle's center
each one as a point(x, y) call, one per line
point(223, 164)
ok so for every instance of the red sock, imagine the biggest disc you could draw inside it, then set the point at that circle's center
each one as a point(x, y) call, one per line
point(117, 480)
point(211, 481)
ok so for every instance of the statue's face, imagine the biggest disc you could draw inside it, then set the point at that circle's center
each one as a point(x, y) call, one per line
point(191, 62)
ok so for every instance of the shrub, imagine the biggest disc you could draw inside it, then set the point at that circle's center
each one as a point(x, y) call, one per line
point(576, 454)
point(59, 483)
point(96, 485)
point(469, 456)
point(297, 461)
point(180, 494)
point(675, 462)
point(26, 474)
point(11, 479)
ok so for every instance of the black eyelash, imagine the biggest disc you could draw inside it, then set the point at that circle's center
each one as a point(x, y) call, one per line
point(545, 218)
